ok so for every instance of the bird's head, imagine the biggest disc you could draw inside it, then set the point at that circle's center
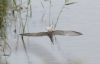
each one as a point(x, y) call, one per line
point(50, 28)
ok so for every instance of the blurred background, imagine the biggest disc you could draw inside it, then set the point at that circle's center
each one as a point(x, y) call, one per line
point(26, 16)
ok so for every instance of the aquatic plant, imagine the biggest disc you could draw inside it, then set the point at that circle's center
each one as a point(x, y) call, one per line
point(12, 9)
point(3, 13)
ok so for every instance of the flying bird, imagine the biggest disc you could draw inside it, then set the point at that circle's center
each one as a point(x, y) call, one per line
point(51, 32)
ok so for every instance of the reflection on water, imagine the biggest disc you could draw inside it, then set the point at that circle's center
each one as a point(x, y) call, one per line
point(15, 19)
point(37, 54)
point(47, 54)
point(10, 16)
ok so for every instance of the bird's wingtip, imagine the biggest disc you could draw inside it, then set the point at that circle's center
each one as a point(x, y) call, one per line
point(21, 34)
point(79, 33)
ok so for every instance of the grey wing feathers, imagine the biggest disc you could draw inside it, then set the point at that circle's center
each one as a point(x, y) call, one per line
point(67, 33)
point(35, 34)
point(70, 3)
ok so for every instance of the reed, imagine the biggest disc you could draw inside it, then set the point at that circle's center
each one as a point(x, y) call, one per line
point(16, 12)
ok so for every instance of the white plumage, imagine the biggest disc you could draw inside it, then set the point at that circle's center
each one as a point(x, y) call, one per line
point(50, 28)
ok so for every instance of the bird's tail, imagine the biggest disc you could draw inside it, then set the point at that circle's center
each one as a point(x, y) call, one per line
point(51, 39)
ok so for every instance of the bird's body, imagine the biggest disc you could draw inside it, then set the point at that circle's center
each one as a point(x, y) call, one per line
point(50, 35)
point(51, 32)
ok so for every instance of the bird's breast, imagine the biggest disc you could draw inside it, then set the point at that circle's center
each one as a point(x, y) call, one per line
point(50, 33)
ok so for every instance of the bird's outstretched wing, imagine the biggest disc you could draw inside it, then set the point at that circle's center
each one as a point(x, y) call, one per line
point(35, 34)
point(67, 33)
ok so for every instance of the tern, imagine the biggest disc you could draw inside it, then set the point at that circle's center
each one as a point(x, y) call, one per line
point(51, 32)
